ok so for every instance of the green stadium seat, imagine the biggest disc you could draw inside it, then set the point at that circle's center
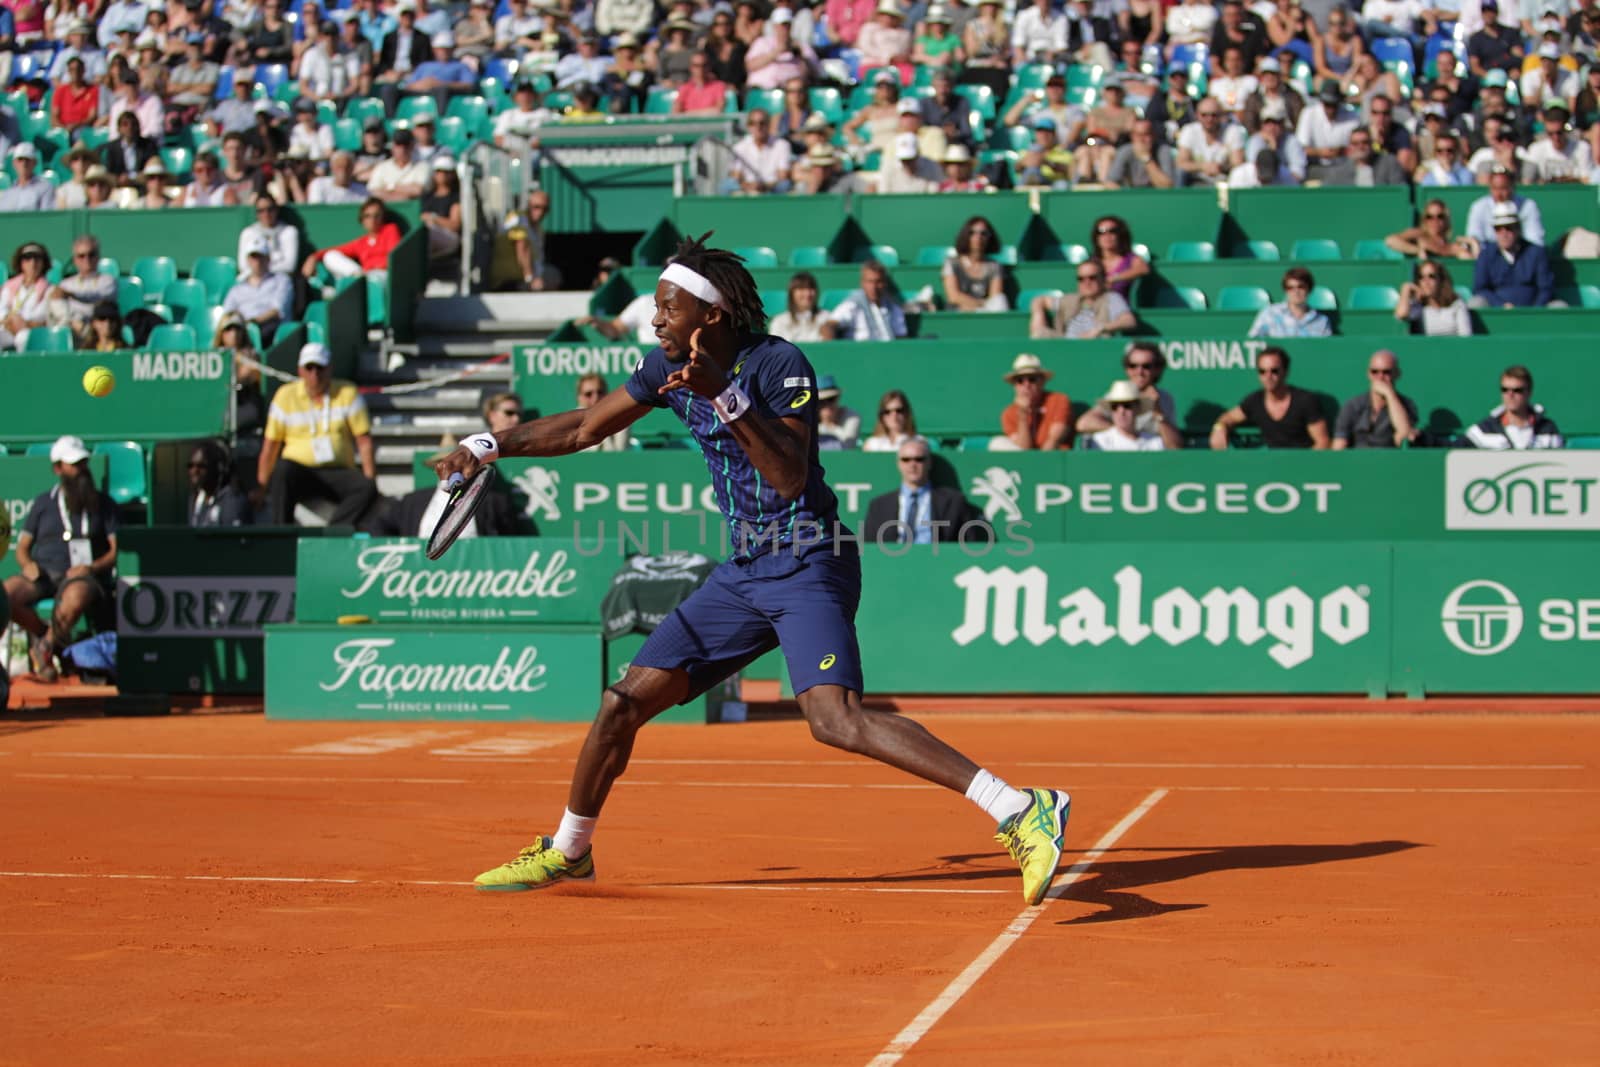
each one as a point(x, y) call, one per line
point(832, 298)
point(977, 443)
point(174, 337)
point(1585, 441)
point(377, 302)
point(189, 299)
point(1313, 249)
point(1177, 296)
point(410, 107)
point(217, 274)
point(769, 100)
point(757, 256)
point(316, 315)
point(50, 339)
point(178, 161)
point(363, 108)
point(1008, 255)
point(1033, 75)
point(1257, 250)
point(981, 97)
point(830, 102)
point(163, 312)
point(1026, 297)
point(1191, 251)
point(156, 272)
point(1373, 248)
point(92, 137)
point(888, 255)
point(452, 133)
point(1015, 138)
point(471, 110)
point(130, 294)
point(315, 331)
point(125, 473)
point(1373, 298)
point(774, 301)
point(933, 255)
point(347, 135)
point(808, 256)
point(327, 113)
point(659, 101)
point(1322, 299)
point(110, 266)
point(38, 448)
point(1242, 298)
point(1088, 75)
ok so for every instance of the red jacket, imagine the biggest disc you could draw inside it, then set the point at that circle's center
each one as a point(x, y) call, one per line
point(369, 250)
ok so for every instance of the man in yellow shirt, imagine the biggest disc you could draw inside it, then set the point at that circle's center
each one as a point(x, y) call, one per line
point(316, 427)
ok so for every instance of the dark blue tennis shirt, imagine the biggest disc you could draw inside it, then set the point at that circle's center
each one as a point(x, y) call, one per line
point(781, 384)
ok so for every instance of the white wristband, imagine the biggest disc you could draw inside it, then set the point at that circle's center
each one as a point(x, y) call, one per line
point(732, 403)
point(483, 446)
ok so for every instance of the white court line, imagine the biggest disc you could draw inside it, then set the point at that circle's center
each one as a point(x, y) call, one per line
point(839, 764)
point(928, 1017)
point(735, 887)
point(647, 783)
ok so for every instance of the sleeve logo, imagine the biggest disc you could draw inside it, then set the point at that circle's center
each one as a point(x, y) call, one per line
point(800, 401)
point(797, 383)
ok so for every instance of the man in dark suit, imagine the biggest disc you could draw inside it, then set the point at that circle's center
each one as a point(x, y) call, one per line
point(128, 152)
point(416, 513)
point(918, 512)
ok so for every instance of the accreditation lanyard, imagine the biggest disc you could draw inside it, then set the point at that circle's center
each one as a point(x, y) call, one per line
point(80, 550)
point(321, 438)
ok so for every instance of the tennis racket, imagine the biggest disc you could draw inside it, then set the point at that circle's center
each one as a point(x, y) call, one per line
point(465, 495)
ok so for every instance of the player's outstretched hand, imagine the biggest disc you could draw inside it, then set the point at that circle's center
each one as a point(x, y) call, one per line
point(459, 460)
point(698, 374)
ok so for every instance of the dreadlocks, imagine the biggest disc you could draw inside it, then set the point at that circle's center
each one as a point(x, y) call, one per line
point(725, 270)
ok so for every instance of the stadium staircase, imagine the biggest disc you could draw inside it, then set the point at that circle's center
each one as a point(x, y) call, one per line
point(454, 334)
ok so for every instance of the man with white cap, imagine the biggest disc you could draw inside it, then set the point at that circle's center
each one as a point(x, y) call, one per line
point(1550, 78)
point(1275, 134)
point(260, 295)
point(1036, 419)
point(909, 171)
point(1510, 271)
point(316, 429)
point(761, 161)
point(776, 56)
point(1503, 190)
point(1123, 402)
point(79, 36)
point(29, 192)
point(443, 76)
point(67, 551)
point(1272, 89)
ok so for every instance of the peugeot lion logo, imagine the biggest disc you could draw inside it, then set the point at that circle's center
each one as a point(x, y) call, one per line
point(1481, 618)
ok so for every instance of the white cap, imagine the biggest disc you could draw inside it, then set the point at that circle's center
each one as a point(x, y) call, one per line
point(1274, 111)
point(68, 449)
point(443, 40)
point(909, 106)
point(905, 146)
point(1549, 50)
point(1505, 214)
point(259, 245)
point(958, 153)
point(444, 163)
point(25, 150)
point(315, 353)
point(1269, 64)
point(781, 17)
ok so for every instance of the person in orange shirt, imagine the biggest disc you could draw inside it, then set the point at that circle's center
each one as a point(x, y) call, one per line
point(1036, 418)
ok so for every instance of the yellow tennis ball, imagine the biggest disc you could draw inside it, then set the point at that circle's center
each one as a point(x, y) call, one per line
point(99, 381)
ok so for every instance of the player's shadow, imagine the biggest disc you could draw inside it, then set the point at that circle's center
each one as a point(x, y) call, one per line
point(1111, 883)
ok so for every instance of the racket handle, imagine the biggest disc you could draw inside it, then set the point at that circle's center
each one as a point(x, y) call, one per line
point(454, 481)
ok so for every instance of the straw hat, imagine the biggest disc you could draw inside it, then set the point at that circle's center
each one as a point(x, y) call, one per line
point(889, 7)
point(1028, 363)
point(1123, 391)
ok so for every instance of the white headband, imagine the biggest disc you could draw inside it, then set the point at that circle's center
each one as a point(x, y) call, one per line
point(691, 281)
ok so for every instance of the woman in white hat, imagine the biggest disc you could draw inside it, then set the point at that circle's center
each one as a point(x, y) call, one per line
point(154, 178)
point(1123, 435)
point(958, 172)
point(1036, 419)
point(937, 48)
point(885, 41)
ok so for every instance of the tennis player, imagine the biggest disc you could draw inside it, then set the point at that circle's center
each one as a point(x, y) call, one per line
point(749, 400)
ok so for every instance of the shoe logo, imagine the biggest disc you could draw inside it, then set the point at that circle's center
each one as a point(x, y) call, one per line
point(737, 367)
point(800, 401)
point(827, 662)
point(1041, 818)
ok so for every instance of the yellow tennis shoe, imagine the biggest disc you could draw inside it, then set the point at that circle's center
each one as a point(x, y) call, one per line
point(1033, 837)
point(538, 866)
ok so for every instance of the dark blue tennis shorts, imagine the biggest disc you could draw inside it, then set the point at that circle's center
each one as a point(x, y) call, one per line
point(805, 603)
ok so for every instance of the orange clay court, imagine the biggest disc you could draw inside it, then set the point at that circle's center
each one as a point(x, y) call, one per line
point(1283, 889)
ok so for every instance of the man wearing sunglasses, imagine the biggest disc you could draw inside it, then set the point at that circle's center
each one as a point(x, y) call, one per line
point(1286, 416)
point(316, 429)
point(1379, 417)
point(1517, 423)
point(1512, 272)
point(1095, 310)
point(1155, 412)
point(1294, 317)
point(919, 512)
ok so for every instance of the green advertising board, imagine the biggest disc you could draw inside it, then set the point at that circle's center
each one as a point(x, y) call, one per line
point(1496, 618)
point(1299, 617)
point(158, 396)
point(661, 500)
point(192, 604)
point(456, 672)
point(480, 580)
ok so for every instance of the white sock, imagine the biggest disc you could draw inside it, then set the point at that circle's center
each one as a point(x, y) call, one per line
point(572, 839)
point(994, 796)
